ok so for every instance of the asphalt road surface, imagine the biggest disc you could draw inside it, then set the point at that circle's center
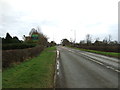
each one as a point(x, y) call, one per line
point(80, 69)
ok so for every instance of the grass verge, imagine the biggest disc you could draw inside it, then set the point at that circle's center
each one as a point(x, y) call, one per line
point(37, 72)
point(111, 54)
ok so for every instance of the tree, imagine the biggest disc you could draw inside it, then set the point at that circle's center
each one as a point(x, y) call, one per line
point(3, 41)
point(15, 40)
point(105, 40)
point(52, 43)
point(42, 39)
point(97, 42)
point(109, 38)
point(8, 38)
point(33, 30)
point(65, 42)
point(88, 39)
point(82, 42)
point(113, 43)
point(35, 36)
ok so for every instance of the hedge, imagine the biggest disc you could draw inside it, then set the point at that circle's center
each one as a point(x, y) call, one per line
point(17, 46)
point(10, 57)
point(102, 48)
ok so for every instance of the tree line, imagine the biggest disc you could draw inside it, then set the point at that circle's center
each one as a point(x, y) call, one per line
point(35, 38)
point(105, 45)
point(9, 39)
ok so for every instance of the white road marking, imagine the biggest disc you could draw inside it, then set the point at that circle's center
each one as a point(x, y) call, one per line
point(117, 71)
point(57, 73)
point(57, 67)
point(108, 67)
point(58, 54)
point(58, 63)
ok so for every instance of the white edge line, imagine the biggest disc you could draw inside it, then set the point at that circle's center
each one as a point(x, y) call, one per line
point(100, 63)
point(56, 68)
point(58, 54)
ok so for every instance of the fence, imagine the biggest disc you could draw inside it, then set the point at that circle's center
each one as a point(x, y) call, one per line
point(10, 57)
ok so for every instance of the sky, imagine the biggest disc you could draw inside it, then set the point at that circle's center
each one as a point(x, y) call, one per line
point(59, 19)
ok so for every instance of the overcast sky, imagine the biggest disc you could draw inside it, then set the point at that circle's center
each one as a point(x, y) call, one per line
point(59, 19)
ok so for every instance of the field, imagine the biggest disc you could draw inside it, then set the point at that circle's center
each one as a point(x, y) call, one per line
point(37, 72)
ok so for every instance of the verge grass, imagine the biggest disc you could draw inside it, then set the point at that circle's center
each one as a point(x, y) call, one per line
point(37, 72)
point(111, 54)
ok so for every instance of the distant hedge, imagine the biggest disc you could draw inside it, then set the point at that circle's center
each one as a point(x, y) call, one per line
point(17, 46)
point(10, 57)
point(103, 48)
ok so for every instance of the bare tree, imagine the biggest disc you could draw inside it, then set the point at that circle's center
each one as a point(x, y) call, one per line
point(33, 30)
point(39, 29)
point(105, 40)
point(71, 40)
point(97, 39)
point(88, 39)
point(109, 38)
point(82, 42)
point(65, 42)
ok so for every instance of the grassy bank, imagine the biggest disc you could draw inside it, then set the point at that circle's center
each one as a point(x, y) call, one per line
point(111, 54)
point(34, 73)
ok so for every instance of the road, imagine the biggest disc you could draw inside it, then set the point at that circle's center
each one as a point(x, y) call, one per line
point(80, 69)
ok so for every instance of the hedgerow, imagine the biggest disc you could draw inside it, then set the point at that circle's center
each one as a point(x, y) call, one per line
point(17, 46)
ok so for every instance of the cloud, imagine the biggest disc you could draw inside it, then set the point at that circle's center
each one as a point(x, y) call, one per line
point(59, 18)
